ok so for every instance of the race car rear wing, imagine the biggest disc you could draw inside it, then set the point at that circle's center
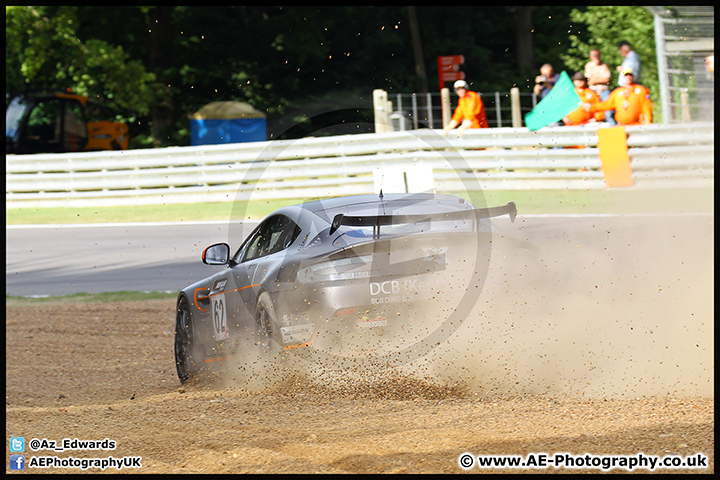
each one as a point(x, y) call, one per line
point(376, 221)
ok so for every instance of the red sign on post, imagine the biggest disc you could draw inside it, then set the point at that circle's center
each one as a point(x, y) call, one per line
point(452, 76)
point(448, 69)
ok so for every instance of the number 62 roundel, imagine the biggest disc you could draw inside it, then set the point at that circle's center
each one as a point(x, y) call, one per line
point(219, 316)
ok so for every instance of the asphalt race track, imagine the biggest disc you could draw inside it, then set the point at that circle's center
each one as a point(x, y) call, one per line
point(64, 260)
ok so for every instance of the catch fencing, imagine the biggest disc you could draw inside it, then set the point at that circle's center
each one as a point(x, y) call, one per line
point(662, 156)
point(685, 42)
point(423, 110)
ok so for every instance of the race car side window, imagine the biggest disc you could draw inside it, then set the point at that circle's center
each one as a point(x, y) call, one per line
point(274, 234)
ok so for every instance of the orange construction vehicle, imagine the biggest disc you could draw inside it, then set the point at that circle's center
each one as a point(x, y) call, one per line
point(55, 123)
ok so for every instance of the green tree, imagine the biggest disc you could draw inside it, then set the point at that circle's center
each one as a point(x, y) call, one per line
point(44, 53)
point(306, 67)
point(603, 27)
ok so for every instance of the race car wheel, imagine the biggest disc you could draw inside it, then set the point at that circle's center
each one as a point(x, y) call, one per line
point(264, 316)
point(187, 360)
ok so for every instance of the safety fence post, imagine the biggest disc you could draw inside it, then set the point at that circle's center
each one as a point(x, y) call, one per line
point(445, 105)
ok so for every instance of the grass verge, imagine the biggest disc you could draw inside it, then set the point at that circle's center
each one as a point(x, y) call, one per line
point(528, 202)
point(13, 301)
point(145, 213)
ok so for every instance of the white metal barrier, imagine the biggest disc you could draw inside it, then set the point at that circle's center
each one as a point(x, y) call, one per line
point(496, 158)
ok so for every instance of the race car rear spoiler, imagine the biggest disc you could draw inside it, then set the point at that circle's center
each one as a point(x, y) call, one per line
point(376, 221)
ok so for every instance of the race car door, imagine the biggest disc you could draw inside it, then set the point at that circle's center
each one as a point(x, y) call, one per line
point(258, 255)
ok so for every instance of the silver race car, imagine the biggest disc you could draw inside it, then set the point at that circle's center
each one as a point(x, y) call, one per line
point(366, 275)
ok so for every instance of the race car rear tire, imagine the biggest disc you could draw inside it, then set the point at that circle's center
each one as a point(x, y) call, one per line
point(265, 321)
point(188, 359)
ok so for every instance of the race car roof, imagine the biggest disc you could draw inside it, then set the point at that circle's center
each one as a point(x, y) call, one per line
point(392, 203)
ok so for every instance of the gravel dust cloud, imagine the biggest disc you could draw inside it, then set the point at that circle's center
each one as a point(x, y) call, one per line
point(592, 307)
point(610, 307)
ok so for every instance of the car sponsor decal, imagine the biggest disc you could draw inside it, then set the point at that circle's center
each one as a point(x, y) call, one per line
point(396, 291)
point(294, 319)
point(366, 322)
point(395, 287)
point(297, 333)
point(433, 254)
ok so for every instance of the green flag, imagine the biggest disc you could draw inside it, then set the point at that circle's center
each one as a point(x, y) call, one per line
point(561, 100)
